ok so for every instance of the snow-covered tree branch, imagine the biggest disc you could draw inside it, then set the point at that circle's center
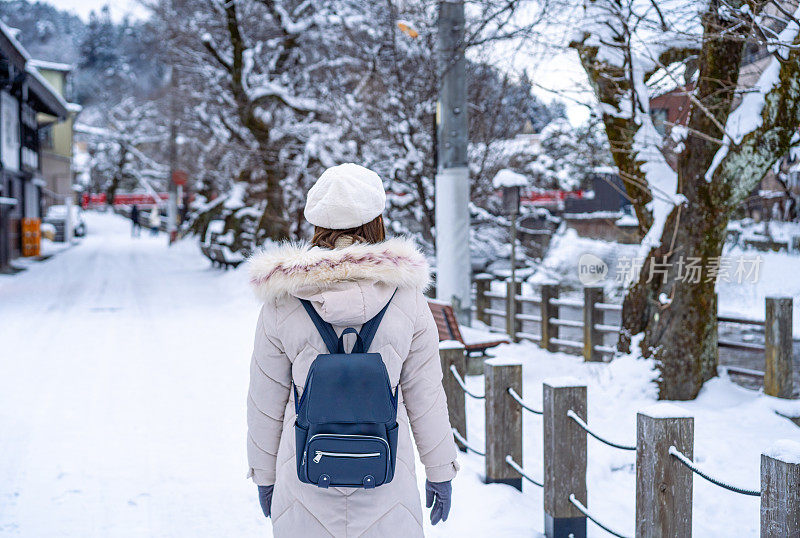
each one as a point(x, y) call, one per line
point(686, 182)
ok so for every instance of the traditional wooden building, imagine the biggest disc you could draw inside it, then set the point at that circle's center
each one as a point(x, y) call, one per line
point(27, 101)
point(56, 137)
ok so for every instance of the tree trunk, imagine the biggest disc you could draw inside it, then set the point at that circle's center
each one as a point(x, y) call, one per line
point(678, 316)
point(274, 222)
point(675, 307)
point(111, 192)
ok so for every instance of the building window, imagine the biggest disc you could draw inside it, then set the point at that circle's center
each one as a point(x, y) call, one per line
point(46, 137)
point(9, 127)
point(659, 117)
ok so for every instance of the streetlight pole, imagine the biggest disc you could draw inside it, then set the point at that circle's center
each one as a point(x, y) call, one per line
point(453, 267)
point(511, 200)
point(172, 204)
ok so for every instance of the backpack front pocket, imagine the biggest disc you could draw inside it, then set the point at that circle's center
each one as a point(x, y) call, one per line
point(346, 460)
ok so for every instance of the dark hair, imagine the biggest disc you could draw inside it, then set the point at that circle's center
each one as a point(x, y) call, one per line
point(371, 232)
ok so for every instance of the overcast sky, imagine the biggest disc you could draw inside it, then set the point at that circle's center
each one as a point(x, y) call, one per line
point(119, 8)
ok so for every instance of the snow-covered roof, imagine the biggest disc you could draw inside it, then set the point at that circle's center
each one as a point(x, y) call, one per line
point(604, 170)
point(46, 92)
point(509, 178)
point(10, 35)
point(764, 193)
point(594, 215)
point(51, 66)
point(41, 88)
point(627, 220)
point(85, 128)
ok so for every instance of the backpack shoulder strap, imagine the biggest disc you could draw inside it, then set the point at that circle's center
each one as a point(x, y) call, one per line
point(324, 328)
point(369, 329)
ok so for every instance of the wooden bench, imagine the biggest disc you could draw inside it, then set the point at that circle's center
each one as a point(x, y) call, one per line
point(217, 256)
point(474, 340)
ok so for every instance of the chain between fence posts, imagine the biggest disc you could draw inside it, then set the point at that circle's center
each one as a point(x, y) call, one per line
point(517, 398)
point(780, 484)
point(591, 318)
point(467, 447)
point(461, 383)
point(514, 465)
point(564, 457)
point(778, 347)
point(677, 454)
point(585, 511)
point(453, 354)
point(663, 484)
point(549, 331)
point(571, 414)
point(503, 421)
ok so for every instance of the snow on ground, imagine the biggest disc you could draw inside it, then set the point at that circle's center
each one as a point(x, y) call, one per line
point(122, 400)
point(122, 407)
point(733, 426)
point(777, 272)
point(123, 392)
point(561, 262)
point(778, 278)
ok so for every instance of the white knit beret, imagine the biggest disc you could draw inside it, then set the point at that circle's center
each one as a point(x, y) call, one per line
point(345, 196)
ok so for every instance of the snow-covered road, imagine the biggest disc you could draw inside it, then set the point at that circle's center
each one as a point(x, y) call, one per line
point(123, 379)
point(123, 375)
point(124, 370)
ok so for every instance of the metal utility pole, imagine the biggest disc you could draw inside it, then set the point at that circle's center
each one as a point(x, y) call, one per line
point(172, 204)
point(453, 267)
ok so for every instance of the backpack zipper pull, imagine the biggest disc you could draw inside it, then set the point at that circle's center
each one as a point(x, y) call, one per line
point(318, 457)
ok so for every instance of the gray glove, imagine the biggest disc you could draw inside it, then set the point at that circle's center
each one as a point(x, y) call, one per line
point(438, 494)
point(265, 499)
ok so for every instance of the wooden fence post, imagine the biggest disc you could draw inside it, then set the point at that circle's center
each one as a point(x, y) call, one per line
point(780, 490)
point(549, 331)
point(483, 283)
point(503, 421)
point(453, 353)
point(512, 308)
point(778, 347)
point(564, 458)
point(591, 317)
point(663, 484)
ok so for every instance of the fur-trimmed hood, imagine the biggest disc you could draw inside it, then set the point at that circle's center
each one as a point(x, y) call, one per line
point(293, 269)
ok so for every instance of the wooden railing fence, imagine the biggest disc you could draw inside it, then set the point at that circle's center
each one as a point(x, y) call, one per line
point(664, 454)
point(593, 327)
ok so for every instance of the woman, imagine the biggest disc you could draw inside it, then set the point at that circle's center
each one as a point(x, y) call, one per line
point(349, 274)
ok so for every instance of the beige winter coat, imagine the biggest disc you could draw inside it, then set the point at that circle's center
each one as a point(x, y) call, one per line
point(347, 286)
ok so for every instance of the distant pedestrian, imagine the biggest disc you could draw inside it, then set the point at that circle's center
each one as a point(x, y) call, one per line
point(155, 220)
point(136, 227)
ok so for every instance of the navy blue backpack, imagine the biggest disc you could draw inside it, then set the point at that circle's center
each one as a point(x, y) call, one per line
point(346, 427)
